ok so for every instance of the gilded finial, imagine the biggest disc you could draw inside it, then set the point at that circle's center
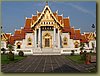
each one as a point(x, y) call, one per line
point(46, 2)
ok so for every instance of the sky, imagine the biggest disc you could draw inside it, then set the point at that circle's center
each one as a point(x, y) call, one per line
point(82, 14)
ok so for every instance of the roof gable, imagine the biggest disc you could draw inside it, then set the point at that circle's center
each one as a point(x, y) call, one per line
point(3, 37)
point(46, 11)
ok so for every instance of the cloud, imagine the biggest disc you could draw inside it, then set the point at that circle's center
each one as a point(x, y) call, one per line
point(84, 10)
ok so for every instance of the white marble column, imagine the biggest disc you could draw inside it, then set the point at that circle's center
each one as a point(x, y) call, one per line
point(58, 38)
point(54, 37)
point(39, 42)
point(35, 38)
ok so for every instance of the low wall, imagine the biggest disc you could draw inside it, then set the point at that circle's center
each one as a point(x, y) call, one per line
point(26, 51)
point(68, 51)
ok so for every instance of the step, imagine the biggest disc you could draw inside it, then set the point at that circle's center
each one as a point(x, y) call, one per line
point(46, 53)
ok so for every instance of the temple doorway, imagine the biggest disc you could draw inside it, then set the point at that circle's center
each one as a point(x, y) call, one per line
point(47, 40)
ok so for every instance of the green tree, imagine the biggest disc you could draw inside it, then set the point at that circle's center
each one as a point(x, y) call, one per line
point(10, 47)
point(82, 45)
point(10, 54)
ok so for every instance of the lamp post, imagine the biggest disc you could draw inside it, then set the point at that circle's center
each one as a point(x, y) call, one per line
point(94, 35)
point(93, 26)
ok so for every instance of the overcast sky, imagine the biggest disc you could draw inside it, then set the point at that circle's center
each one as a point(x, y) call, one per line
point(82, 14)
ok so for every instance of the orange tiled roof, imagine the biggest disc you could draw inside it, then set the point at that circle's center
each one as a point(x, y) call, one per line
point(60, 19)
point(66, 22)
point(11, 40)
point(8, 35)
point(66, 25)
point(28, 23)
point(17, 33)
point(38, 14)
point(83, 39)
point(34, 18)
point(77, 35)
point(55, 14)
point(72, 34)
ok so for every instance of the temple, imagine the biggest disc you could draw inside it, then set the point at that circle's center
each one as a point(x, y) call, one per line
point(48, 33)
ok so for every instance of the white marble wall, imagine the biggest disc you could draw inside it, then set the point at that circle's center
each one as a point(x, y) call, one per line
point(24, 41)
point(71, 43)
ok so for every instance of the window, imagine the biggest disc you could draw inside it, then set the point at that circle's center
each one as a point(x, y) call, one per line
point(65, 41)
point(29, 41)
point(76, 44)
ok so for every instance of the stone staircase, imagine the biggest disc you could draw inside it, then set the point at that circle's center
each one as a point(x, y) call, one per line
point(47, 51)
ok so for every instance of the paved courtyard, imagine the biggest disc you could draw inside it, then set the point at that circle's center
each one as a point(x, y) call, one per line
point(43, 64)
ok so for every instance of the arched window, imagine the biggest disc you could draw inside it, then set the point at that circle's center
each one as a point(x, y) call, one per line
point(65, 40)
point(76, 44)
point(29, 41)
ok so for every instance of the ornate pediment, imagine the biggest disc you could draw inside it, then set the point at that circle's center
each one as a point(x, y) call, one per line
point(46, 19)
point(3, 37)
point(91, 36)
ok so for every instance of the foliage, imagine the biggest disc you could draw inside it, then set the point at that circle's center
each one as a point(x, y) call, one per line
point(83, 56)
point(5, 60)
point(11, 56)
point(76, 58)
point(21, 53)
point(10, 47)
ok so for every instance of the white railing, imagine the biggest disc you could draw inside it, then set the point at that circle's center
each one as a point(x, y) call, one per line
point(68, 50)
point(26, 51)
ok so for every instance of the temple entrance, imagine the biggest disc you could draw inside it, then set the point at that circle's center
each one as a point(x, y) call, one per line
point(47, 40)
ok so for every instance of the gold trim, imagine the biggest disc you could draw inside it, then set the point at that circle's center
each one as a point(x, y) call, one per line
point(45, 36)
point(43, 13)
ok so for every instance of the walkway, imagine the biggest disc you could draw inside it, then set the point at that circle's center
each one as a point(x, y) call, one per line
point(43, 64)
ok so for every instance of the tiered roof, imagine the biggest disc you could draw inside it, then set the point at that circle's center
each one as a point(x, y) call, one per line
point(74, 34)
point(66, 23)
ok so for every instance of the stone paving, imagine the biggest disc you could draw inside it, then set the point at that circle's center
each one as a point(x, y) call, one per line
point(43, 64)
